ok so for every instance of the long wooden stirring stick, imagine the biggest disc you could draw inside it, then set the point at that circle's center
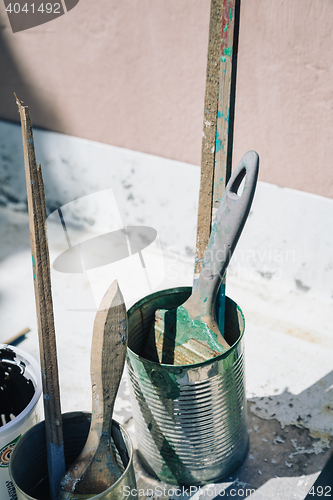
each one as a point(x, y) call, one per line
point(217, 142)
point(44, 306)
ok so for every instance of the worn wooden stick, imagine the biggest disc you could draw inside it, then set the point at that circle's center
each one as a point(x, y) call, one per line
point(218, 126)
point(226, 100)
point(18, 337)
point(209, 135)
point(217, 141)
point(44, 306)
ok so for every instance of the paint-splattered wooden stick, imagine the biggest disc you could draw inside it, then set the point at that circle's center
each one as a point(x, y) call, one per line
point(226, 100)
point(44, 306)
point(218, 117)
point(225, 118)
point(218, 126)
point(209, 135)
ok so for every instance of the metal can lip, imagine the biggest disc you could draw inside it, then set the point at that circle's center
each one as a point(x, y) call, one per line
point(35, 376)
point(71, 416)
point(177, 368)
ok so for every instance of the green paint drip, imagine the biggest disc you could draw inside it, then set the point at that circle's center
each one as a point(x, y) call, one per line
point(218, 142)
point(188, 327)
point(228, 51)
point(33, 266)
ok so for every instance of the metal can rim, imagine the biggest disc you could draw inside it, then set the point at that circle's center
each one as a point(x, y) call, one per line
point(176, 368)
point(72, 414)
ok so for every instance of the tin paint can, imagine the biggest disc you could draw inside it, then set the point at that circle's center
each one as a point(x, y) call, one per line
point(21, 389)
point(190, 420)
point(28, 465)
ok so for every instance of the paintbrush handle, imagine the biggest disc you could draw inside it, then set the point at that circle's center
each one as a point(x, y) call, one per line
point(108, 354)
point(95, 469)
point(230, 219)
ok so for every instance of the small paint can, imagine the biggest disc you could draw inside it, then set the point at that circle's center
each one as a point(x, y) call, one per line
point(28, 465)
point(191, 422)
point(20, 406)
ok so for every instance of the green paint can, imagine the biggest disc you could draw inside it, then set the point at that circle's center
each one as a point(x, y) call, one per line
point(190, 420)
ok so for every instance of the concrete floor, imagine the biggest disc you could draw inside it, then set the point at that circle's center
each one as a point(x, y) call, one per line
point(289, 364)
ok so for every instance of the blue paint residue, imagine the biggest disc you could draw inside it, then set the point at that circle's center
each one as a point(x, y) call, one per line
point(218, 142)
point(33, 266)
point(123, 331)
point(226, 118)
point(56, 464)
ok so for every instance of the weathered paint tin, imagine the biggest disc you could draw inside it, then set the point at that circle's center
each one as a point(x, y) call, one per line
point(28, 465)
point(26, 366)
point(190, 420)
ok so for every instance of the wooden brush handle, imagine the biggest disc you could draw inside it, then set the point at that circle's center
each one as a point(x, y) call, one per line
point(230, 219)
point(95, 469)
point(108, 354)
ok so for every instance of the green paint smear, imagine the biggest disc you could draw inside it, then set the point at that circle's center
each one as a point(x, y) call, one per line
point(188, 327)
point(228, 51)
point(33, 266)
point(223, 59)
point(218, 142)
point(164, 381)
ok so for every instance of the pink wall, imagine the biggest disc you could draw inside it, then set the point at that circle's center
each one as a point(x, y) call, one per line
point(132, 74)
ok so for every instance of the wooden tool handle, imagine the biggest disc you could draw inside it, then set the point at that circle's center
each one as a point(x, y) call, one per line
point(18, 337)
point(230, 219)
point(217, 141)
point(108, 354)
point(95, 469)
point(44, 305)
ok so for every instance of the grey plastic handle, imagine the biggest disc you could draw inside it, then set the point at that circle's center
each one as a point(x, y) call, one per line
point(229, 222)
